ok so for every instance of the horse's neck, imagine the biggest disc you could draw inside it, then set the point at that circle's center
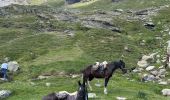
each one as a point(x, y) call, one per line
point(113, 67)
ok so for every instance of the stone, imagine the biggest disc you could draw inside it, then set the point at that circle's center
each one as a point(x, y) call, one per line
point(161, 67)
point(92, 95)
point(166, 92)
point(98, 84)
point(75, 76)
point(155, 72)
point(147, 77)
point(149, 68)
point(119, 10)
point(158, 61)
point(121, 98)
point(5, 93)
point(42, 77)
point(142, 63)
point(162, 72)
point(13, 66)
point(163, 83)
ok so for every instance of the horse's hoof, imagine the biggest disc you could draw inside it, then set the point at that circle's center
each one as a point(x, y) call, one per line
point(105, 91)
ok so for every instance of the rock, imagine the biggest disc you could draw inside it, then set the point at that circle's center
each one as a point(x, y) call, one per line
point(163, 83)
point(158, 56)
point(42, 77)
point(121, 98)
point(149, 68)
point(158, 61)
point(92, 95)
point(149, 25)
point(13, 66)
point(149, 57)
point(4, 93)
point(162, 76)
point(161, 67)
point(155, 72)
point(142, 63)
point(136, 70)
point(147, 77)
point(70, 33)
point(166, 92)
point(75, 75)
point(100, 24)
point(162, 72)
point(119, 10)
point(48, 84)
point(142, 12)
point(98, 84)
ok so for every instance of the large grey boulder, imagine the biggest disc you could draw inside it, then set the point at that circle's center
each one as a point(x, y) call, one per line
point(4, 94)
point(13, 66)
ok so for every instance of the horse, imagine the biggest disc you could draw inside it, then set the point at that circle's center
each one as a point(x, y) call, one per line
point(81, 94)
point(89, 74)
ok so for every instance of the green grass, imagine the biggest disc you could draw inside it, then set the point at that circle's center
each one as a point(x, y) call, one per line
point(25, 39)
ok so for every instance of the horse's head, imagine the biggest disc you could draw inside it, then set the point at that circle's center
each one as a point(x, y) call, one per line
point(122, 66)
point(82, 92)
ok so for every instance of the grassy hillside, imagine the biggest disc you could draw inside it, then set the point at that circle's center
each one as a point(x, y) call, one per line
point(43, 47)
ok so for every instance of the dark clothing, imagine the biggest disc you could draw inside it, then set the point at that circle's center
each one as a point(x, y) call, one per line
point(4, 72)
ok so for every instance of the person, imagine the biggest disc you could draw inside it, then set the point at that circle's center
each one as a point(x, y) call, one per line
point(4, 68)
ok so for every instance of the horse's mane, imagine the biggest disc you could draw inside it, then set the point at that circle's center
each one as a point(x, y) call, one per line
point(88, 67)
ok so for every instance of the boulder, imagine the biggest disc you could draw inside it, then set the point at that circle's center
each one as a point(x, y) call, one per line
point(142, 63)
point(166, 92)
point(13, 66)
point(149, 68)
point(4, 93)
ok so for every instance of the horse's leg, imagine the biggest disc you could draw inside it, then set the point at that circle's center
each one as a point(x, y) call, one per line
point(105, 85)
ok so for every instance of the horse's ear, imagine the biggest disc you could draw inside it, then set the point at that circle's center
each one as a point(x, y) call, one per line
point(79, 83)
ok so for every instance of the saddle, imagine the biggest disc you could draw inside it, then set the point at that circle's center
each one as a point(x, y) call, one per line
point(100, 67)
